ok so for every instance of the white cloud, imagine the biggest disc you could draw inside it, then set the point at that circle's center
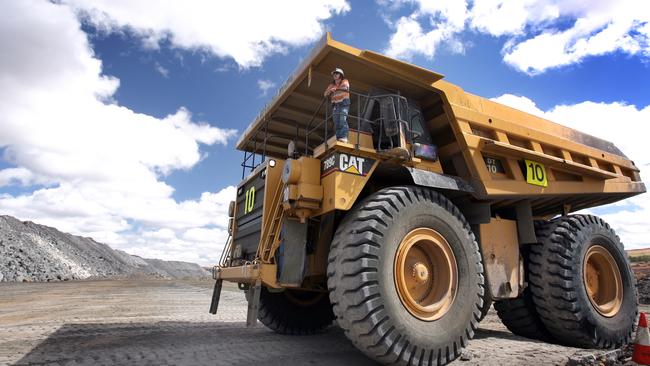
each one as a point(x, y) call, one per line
point(200, 245)
point(605, 28)
point(248, 31)
point(161, 234)
point(502, 17)
point(445, 18)
point(199, 131)
point(161, 70)
point(521, 103)
point(265, 85)
point(202, 235)
point(627, 127)
point(536, 32)
point(102, 165)
point(18, 176)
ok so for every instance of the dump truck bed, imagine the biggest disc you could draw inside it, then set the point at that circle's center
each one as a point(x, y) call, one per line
point(498, 144)
point(495, 148)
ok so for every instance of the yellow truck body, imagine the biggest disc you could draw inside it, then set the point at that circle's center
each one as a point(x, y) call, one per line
point(510, 179)
point(582, 171)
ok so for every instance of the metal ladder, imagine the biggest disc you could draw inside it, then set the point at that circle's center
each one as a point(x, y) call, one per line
point(271, 231)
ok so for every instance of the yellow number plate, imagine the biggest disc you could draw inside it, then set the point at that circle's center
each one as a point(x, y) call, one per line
point(536, 173)
point(250, 200)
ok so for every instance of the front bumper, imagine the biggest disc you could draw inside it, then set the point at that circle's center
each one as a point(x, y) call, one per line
point(248, 273)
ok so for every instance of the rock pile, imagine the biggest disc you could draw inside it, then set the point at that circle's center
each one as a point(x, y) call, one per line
point(37, 253)
point(643, 288)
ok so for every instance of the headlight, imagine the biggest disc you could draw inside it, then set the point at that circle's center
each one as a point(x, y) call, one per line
point(291, 171)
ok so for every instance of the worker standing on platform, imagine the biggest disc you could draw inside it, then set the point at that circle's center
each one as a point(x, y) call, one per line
point(339, 93)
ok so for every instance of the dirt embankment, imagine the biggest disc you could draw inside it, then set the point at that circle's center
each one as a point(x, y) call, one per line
point(641, 269)
point(36, 253)
point(643, 287)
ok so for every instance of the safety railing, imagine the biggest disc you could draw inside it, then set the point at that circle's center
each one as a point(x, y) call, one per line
point(259, 150)
point(384, 127)
point(363, 103)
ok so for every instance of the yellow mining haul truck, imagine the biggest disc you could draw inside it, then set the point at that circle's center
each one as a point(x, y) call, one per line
point(440, 203)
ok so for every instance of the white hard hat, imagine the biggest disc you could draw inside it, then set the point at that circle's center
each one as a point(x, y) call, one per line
point(339, 70)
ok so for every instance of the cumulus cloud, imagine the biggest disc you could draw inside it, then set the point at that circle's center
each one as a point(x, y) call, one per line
point(161, 70)
point(599, 28)
point(96, 167)
point(501, 17)
point(627, 127)
point(18, 176)
point(536, 34)
point(444, 20)
point(265, 85)
point(221, 28)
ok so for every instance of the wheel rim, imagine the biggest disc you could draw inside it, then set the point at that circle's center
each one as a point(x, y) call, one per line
point(602, 280)
point(426, 274)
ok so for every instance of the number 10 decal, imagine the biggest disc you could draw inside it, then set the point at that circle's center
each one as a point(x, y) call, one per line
point(535, 173)
point(250, 200)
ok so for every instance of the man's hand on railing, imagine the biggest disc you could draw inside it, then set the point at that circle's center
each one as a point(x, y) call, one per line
point(330, 89)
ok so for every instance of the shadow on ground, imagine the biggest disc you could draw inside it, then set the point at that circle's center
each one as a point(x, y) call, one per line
point(188, 343)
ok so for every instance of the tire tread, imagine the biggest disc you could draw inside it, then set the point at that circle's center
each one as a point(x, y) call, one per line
point(554, 278)
point(375, 334)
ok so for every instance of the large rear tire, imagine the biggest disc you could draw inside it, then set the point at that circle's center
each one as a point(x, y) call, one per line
point(520, 317)
point(582, 284)
point(295, 312)
point(405, 277)
point(487, 304)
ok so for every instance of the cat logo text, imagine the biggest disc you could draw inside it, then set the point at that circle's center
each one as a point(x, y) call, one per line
point(346, 163)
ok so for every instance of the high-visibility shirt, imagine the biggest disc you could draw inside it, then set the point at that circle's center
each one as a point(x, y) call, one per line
point(340, 91)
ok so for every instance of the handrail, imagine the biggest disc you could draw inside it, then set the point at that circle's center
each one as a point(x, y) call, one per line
point(322, 101)
point(248, 155)
point(363, 100)
point(225, 259)
point(377, 97)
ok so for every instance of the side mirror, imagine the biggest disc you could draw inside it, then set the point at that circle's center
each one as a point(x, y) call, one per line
point(291, 149)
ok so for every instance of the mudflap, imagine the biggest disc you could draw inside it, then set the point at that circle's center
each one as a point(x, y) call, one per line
point(253, 303)
point(292, 253)
point(216, 294)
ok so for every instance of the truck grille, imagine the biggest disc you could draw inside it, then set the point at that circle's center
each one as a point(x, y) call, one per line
point(248, 217)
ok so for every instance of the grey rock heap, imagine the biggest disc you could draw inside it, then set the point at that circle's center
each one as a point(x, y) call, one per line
point(36, 253)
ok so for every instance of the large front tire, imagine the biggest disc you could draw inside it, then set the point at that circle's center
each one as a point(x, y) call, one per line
point(582, 284)
point(405, 277)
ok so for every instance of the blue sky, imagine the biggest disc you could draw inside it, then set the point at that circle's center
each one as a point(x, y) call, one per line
point(118, 120)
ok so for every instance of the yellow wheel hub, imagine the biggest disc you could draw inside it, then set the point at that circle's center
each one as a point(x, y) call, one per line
point(420, 273)
point(602, 280)
point(426, 274)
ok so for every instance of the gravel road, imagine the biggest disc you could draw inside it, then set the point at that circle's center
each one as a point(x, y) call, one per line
point(159, 322)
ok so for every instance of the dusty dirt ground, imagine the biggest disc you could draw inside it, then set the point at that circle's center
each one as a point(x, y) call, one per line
point(158, 322)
